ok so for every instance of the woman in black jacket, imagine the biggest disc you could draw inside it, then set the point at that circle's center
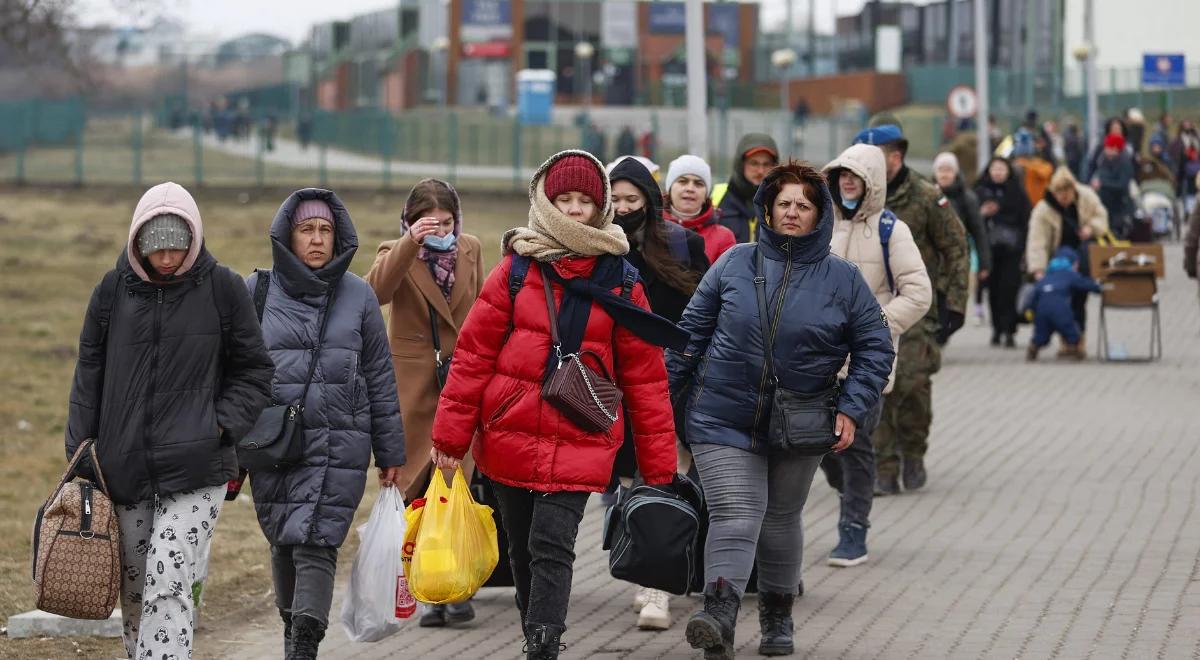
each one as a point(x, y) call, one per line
point(1005, 207)
point(670, 259)
point(172, 369)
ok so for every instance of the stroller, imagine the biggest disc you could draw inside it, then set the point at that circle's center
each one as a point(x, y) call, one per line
point(1158, 206)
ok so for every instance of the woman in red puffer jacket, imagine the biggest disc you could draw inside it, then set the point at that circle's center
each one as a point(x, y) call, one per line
point(543, 465)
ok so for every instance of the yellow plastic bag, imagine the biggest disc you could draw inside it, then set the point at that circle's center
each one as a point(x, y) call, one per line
point(454, 549)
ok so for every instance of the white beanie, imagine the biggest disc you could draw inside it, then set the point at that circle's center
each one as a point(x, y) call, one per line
point(689, 164)
point(945, 159)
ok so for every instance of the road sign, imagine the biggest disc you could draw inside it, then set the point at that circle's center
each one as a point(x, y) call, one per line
point(1163, 70)
point(962, 102)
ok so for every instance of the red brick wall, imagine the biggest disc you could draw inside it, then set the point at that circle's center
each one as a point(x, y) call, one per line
point(877, 91)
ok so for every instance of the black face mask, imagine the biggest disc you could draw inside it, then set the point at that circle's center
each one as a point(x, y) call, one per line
point(631, 221)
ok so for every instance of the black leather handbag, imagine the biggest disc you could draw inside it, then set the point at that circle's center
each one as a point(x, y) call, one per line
point(277, 440)
point(801, 423)
point(441, 367)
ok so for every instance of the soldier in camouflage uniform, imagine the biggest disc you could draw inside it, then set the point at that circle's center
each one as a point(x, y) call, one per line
point(902, 436)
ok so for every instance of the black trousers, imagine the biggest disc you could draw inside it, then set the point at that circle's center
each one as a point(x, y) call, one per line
point(1004, 284)
point(541, 530)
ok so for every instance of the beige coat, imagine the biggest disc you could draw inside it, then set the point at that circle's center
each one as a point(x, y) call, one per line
point(857, 240)
point(404, 282)
point(1045, 226)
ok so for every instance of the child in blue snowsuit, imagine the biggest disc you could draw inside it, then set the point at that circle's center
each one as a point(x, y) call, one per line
point(1051, 303)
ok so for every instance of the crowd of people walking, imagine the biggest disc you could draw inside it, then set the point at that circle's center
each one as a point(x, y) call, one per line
point(716, 310)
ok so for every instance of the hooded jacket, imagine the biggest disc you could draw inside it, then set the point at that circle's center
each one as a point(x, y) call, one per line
point(178, 372)
point(736, 198)
point(403, 281)
point(492, 402)
point(351, 406)
point(665, 300)
point(828, 312)
point(857, 239)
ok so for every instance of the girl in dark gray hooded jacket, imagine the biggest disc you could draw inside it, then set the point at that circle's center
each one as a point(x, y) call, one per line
point(349, 411)
point(171, 371)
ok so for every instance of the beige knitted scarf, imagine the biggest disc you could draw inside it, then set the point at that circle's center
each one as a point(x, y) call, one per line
point(552, 235)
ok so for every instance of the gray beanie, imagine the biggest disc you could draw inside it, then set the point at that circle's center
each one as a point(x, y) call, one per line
point(164, 232)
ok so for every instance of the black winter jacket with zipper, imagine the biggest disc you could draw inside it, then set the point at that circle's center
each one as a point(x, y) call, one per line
point(156, 384)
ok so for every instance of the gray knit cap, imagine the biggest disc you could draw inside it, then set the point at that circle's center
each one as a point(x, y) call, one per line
point(164, 232)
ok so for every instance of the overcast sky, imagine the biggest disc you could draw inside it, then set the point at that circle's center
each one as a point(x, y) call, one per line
point(291, 18)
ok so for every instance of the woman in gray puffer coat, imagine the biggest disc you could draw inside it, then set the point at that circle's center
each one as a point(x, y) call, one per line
point(350, 409)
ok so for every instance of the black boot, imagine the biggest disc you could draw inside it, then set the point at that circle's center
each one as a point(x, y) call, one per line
point(712, 628)
point(434, 617)
point(542, 641)
point(287, 632)
point(887, 484)
point(307, 634)
point(775, 622)
point(914, 473)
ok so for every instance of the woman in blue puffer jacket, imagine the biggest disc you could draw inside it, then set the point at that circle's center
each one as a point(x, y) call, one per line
point(822, 310)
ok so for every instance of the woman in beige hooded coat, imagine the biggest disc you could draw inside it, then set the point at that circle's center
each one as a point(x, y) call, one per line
point(858, 185)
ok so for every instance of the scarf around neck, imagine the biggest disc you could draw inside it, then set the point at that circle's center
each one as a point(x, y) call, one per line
point(441, 266)
point(704, 217)
point(550, 235)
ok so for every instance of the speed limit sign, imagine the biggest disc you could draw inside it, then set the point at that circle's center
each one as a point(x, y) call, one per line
point(962, 102)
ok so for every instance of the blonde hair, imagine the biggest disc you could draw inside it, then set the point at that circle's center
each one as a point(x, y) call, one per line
point(1062, 180)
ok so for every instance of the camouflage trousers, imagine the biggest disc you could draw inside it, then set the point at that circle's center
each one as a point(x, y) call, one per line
point(908, 409)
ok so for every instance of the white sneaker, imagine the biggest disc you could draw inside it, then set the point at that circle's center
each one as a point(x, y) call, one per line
point(656, 613)
point(640, 598)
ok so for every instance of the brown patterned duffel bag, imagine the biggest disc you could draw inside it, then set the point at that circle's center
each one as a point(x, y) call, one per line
point(77, 547)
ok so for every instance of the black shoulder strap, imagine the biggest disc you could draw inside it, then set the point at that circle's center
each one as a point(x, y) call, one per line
point(316, 353)
point(516, 275)
point(433, 332)
point(109, 286)
point(260, 291)
point(760, 289)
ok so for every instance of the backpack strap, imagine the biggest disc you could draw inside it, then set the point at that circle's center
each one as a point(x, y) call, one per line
point(629, 279)
point(516, 275)
point(109, 286)
point(261, 285)
point(887, 223)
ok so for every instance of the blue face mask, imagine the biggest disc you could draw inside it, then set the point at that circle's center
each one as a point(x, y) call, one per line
point(441, 243)
point(848, 203)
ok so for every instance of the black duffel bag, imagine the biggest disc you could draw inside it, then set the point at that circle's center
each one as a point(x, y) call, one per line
point(651, 532)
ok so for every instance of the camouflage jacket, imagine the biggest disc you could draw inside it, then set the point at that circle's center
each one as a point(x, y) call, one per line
point(939, 236)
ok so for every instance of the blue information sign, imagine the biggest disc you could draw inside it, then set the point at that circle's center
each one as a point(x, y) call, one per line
point(668, 17)
point(1163, 70)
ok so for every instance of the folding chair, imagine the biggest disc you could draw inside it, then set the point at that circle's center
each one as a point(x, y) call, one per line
point(1131, 291)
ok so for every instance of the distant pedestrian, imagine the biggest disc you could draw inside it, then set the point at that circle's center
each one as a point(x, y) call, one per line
point(315, 309)
point(1184, 152)
point(1050, 304)
point(949, 180)
point(688, 184)
point(1070, 214)
point(756, 155)
point(1005, 208)
point(1113, 173)
point(1191, 244)
point(172, 370)
point(626, 142)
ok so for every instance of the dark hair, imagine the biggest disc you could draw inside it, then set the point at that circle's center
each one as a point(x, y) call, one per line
point(900, 145)
point(810, 179)
point(657, 253)
point(427, 195)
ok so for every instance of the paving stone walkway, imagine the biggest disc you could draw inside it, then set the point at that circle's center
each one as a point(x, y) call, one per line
point(1060, 521)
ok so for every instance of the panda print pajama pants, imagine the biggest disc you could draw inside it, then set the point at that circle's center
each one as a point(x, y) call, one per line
point(163, 542)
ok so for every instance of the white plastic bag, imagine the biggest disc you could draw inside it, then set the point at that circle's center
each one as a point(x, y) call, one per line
point(378, 590)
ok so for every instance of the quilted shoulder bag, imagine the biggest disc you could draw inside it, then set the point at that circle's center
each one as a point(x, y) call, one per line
point(801, 423)
point(77, 546)
point(277, 440)
point(588, 399)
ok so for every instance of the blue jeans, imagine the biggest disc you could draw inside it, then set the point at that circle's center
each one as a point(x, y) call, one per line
point(755, 504)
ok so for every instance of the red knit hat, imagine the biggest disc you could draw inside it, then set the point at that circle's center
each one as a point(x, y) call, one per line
point(1114, 141)
point(575, 174)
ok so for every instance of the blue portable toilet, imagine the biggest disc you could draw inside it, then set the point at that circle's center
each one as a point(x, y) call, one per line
point(535, 96)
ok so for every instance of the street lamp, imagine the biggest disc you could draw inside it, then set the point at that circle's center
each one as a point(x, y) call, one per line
point(1086, 56)
point(783, 59)
point(440, 47)
point(583, 55)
